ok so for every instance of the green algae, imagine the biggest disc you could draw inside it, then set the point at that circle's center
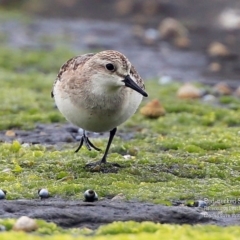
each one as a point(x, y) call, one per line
point(180, 157)
point(123, 230)
point(191, 153)
point(26, 86)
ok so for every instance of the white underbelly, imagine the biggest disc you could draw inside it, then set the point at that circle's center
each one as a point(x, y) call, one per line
point(98, 119)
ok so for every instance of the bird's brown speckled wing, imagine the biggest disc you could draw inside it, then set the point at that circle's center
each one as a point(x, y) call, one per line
point(137, 77)
point(72, 64)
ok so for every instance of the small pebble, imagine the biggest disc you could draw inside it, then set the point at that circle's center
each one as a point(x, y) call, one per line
point(2, 228)
point(153, 109)
point(148, 8)
point(182, 42)
point(124, 7)
point(172, 28)
point(2, 194)
point(6, 170)
point(217, 49)
point(10, 133)
point(229, 19)
point(119, 197)
point(165, 80)
point(209, 98)
point(189, 91)
point(150, 36)
point(204, 213)
point(90, 195)
point(96, 168)
point(127, 156)
point(25, 224)
point(200, 203)
point(26, 145)
point(138, 31)
point(43, 133)
point(43, 193)
point(237, 92)
point(222, 89)
point(214, 67)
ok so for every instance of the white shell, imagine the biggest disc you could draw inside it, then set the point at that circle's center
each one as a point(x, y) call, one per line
point(2, 194)
point(90, 195)
point(43, 193)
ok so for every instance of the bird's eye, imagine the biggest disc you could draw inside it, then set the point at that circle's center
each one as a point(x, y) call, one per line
point(110, 67)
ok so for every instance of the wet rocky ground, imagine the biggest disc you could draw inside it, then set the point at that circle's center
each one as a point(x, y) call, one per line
point(54, 134)
point(91, 215)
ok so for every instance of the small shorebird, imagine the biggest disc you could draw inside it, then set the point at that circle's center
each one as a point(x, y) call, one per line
point(98, 92)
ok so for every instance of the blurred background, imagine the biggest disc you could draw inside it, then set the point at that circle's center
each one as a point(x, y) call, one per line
point(185, 39)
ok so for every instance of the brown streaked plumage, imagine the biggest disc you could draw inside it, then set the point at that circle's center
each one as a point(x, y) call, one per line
point(98, 92)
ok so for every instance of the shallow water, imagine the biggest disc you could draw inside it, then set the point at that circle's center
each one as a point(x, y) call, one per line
point(83, 36)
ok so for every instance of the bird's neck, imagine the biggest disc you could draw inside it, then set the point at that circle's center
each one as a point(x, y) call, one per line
point(99, 88)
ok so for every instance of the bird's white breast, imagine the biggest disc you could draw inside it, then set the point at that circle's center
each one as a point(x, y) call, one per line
point(98, 113)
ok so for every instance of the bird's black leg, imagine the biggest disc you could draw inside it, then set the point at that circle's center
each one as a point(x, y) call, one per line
point(80, 145)
point(104, 158)
point(87, 142)
point(112, 134)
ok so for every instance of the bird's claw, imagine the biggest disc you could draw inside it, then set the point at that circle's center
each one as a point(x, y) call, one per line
point(87, 143)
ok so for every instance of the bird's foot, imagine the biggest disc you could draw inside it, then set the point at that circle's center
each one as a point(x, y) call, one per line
point(105, 167)
point(87, 143)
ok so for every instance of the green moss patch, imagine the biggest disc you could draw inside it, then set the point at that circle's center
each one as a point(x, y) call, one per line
point(124, 230)
point(191, 153)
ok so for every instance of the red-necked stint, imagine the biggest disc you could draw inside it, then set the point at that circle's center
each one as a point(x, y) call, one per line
point(97, 92)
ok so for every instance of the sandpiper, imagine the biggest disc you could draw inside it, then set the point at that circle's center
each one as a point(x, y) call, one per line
point(97, 92)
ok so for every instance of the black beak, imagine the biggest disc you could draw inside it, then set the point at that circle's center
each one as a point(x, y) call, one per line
point(131, 84)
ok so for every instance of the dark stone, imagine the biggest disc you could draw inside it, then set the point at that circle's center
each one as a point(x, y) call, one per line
point(82, 214)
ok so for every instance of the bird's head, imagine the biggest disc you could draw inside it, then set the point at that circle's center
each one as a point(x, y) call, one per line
point(112, 70)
